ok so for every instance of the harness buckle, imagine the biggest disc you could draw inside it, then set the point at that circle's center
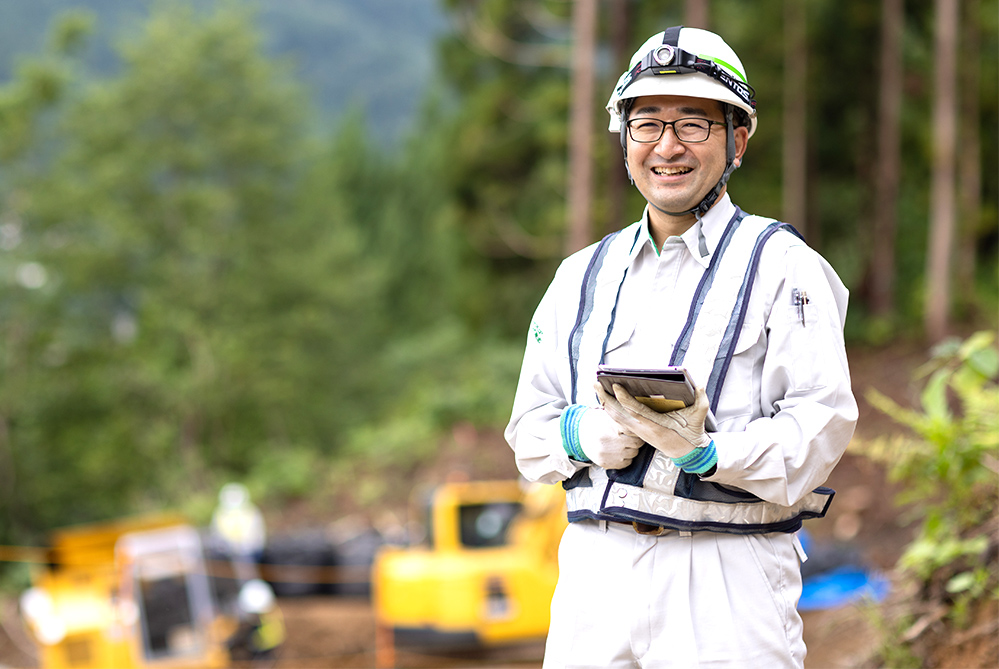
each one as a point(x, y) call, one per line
point(650, 530)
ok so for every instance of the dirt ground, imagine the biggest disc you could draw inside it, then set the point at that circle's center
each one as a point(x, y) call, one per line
point(340, 631)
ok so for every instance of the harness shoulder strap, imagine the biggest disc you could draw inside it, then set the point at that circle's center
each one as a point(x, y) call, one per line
point(586, 291)
point(727, 349)
point(587, 296)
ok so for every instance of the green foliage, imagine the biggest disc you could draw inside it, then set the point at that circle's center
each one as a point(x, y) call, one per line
point(200, 291)
point(892, 650)
point(377, 54)
point(40, 84)
point(197, 288)
point(292, 473)
point(15, 579)
point(937, 548)
point(442, 377)
point(509, 163)
point(162, 327)
point(951, 470)
point(953, 461)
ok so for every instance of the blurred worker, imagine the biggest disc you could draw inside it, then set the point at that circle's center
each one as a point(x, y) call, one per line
point(238, 528)
point(261, 624)
point(680, 551)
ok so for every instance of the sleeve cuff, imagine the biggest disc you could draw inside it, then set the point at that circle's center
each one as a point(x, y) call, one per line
point(699, 460)
point(569, 427)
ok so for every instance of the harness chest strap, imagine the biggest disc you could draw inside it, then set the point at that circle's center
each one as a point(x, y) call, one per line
point(652, 489)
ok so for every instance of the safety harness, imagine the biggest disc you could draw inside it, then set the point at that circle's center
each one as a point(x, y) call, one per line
point(652, 489)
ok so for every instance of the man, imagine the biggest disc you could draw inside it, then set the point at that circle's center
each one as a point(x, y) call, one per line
point(261, 625)
point(238, 530)
point(680, 551)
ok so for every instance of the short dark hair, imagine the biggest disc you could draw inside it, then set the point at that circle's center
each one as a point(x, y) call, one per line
point(626, 106)
point(739, 117)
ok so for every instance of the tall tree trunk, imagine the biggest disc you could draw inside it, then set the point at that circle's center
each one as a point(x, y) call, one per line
point(795, 115)
point(970, 167)
point(580, 168)
point(942, 188)
point(617, 183)
point(696, 14)
point(889, 159)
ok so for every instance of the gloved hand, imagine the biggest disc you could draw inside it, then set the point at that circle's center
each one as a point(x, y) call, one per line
point(589, 434)
point(675, 433)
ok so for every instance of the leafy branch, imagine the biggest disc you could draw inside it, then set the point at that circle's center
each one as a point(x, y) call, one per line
point(949, 471)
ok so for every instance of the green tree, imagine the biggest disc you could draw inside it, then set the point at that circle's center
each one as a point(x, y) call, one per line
point(432, 356)
point(176, 320)
point(206, 291)
point(509, 73)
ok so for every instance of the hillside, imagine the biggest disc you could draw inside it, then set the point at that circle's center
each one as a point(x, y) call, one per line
point(374, 54)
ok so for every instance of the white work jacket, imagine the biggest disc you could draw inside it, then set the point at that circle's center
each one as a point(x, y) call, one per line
point(786, 411)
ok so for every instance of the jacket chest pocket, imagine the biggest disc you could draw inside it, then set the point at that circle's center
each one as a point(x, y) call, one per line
point(740, 397)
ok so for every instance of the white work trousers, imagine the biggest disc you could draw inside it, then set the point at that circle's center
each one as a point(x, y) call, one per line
point(705, 600)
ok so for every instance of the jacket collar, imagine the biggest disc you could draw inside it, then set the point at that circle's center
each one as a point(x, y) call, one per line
point(702, 237)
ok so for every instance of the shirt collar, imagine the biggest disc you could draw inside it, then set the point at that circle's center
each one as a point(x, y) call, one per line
point(703, 236)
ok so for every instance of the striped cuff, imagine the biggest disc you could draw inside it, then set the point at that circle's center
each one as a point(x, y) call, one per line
point(698, 460)
point(569, 427)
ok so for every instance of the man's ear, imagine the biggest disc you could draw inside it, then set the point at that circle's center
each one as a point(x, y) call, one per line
point(741, 142)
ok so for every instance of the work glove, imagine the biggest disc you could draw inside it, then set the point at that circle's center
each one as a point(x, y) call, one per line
point(590, 435)
point(678, 434)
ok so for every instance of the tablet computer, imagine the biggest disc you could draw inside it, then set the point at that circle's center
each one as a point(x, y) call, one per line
point(661, 390)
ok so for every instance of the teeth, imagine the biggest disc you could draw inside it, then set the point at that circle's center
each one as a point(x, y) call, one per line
point(670, 171)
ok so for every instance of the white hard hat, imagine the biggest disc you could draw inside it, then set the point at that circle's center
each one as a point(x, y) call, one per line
point(233, 495)
point(684, 61)
point(256, 597)
point(40, 612)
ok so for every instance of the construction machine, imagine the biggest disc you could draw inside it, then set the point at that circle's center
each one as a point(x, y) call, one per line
point(128, 593)
point(483, 576)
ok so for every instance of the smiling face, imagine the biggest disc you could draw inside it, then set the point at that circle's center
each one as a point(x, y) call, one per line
point(672, 175)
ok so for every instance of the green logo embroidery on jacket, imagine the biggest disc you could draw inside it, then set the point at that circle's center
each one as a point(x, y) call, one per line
point(536, 331)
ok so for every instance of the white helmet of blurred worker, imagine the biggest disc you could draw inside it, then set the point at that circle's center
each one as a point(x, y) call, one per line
point(687, 62)
point(40, 613)
point(233, 495)
point(256, 596)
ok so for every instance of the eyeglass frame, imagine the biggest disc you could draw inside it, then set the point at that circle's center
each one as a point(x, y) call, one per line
point(672, 124)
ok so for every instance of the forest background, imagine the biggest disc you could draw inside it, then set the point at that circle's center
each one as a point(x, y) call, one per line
point(256, 241)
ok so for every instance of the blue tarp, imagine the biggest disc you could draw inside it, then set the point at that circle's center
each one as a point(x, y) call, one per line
point(832, 577)
point(844, 585)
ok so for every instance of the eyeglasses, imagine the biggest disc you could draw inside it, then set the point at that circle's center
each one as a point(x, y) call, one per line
point(689, 130)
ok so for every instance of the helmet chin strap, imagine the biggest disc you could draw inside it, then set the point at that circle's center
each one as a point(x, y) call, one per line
point(712, 195)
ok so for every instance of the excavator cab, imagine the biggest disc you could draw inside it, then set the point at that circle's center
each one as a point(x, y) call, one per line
point(485, 574)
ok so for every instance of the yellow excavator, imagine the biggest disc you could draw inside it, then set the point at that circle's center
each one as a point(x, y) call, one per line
point(128, 593)
point(485, 574)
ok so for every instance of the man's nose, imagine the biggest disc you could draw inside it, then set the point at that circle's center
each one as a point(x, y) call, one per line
point(669, 144)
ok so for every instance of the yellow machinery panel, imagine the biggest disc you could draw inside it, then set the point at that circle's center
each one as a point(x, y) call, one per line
point(99, 602)
point(487, 572)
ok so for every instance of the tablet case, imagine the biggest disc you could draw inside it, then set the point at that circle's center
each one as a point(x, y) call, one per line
point(661, 390)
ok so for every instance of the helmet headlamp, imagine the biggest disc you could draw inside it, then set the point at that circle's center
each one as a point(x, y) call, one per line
point(664, 54)
point(667, 59)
